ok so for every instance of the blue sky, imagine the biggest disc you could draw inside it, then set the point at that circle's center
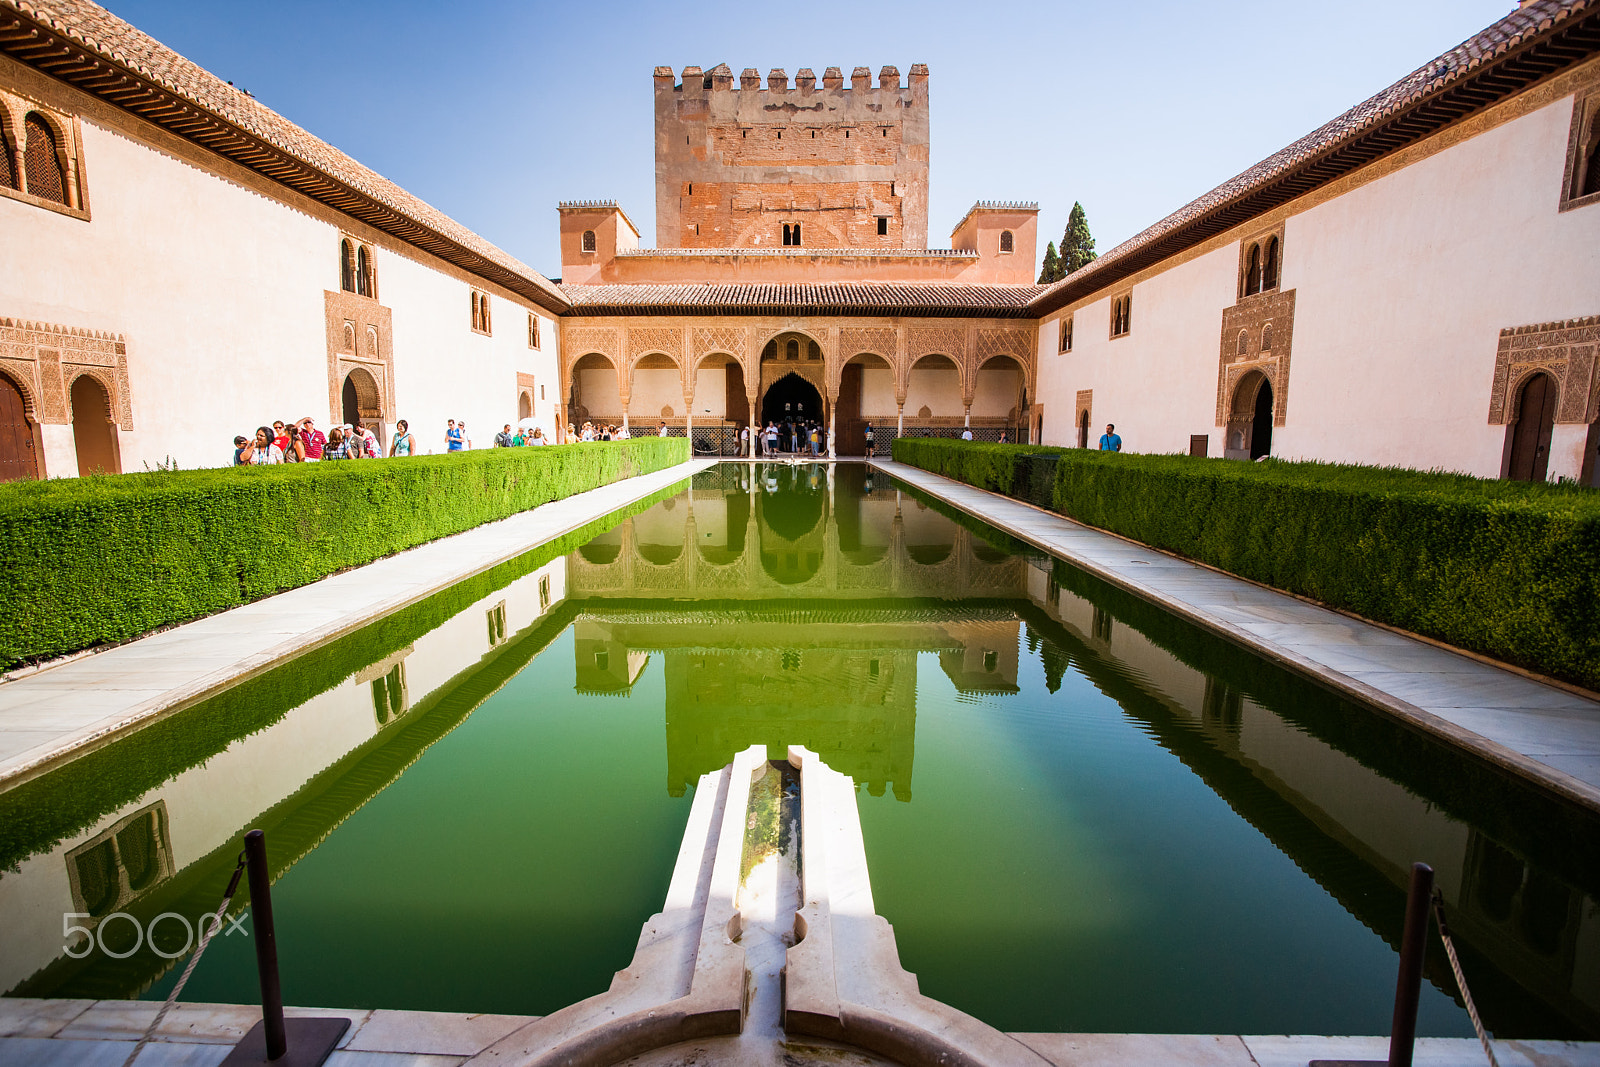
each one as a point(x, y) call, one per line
point(493, 112)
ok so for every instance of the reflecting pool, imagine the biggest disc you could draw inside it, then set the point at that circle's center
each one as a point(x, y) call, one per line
point(1080, 813)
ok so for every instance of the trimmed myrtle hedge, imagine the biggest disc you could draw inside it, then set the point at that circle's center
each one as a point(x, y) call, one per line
point(1507, 569)
point(102, 559)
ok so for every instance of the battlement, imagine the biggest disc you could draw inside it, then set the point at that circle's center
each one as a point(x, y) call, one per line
point(773, 161)
point(587, 205)
point(720, 79)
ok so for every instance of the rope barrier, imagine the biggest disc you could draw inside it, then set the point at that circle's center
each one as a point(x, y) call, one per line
point(1461, 979)
point(205, 939)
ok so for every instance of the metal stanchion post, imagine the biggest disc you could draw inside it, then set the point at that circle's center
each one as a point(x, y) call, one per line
point(275, 1040)
point(1408, 986)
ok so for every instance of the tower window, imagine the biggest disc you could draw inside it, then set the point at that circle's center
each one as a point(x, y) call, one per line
point(883, 225)
point(364, 286)
point(1007, 241)
point(1066, 334)
point(791, 234)
point(1269, 268)
point(533, 330)
point(480, 312)
point(1122, 315)
point(588, 240)
point(1252, 271)
point(40, 162)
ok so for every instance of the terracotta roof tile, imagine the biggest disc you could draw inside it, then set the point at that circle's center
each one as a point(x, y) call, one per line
point(111, 39)
point(995, 301)
point(1539, 19)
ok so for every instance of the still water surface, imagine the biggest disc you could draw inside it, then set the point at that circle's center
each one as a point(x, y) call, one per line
point(1080, 813)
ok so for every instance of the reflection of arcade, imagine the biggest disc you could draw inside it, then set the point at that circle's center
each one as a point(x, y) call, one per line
point(1530, 941)
point(821, 603)
point(808, 541)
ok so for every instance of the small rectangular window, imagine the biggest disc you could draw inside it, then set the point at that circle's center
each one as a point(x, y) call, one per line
point(883, 225)
point(533, 330)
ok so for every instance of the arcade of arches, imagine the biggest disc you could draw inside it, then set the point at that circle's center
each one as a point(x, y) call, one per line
point(903, 376)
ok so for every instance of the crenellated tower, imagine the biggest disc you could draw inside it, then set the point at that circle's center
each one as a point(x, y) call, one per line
point(813, 164)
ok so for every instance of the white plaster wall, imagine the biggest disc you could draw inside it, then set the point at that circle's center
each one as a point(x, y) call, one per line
point(937, 387)
point(1402, 287)
point(710, 393)
point(219, 292)
point(597, 391)
point(996, 391)
point(654, 388)
point(877, 392)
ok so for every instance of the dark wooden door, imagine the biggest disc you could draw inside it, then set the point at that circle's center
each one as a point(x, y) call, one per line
point(1530, 441)
point(17, 459)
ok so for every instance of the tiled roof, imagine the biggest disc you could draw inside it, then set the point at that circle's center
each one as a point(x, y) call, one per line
point(1525, 46)
point(85, 45)
point(841, 298)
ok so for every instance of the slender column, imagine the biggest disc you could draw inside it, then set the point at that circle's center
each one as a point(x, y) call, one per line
point(900, 417)
point(966, 418)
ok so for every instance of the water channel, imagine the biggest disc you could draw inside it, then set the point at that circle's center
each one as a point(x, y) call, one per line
point(1080, 813)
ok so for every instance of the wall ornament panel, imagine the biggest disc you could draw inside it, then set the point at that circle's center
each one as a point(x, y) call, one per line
point(45, 358)
point(1568, 351)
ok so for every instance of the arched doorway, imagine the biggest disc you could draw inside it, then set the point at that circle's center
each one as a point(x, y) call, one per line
point(790, 397)
point(359, 403)
point(1083, 428)
point(1530, 434)
point(594, 394)
point(93, 433)
point(524, 406)
point(1250, 418)
point(1261, 423)
point(18, 459)
point(866, 391)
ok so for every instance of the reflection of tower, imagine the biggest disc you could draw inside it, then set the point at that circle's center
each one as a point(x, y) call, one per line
point(603, 664)
point(855, 706)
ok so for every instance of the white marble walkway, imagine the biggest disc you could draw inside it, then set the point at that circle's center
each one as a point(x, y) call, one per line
point(84, 1033)
point(49, 715)
point(1543, 732)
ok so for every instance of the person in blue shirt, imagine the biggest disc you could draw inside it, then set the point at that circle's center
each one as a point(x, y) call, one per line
point(453, 437)
point(1109, 441)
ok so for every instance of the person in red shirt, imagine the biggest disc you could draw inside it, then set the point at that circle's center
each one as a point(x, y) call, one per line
point(314, 441)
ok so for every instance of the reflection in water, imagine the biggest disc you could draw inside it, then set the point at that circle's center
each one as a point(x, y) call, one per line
point(1097, 783)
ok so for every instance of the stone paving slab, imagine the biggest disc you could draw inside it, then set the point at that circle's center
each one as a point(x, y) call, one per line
point(49, 715)
point(1543, 732)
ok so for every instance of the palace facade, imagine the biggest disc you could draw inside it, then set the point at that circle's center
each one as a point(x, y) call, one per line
point(183, 264)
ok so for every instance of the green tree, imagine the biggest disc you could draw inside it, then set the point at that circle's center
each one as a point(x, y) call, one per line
point(1051, 272)
point(1077, 244)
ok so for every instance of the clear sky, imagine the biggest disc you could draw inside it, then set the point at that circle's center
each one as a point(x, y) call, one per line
point(495, 111)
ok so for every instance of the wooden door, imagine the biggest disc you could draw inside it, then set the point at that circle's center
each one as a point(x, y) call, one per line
point(17, 459)
point(1530, 441)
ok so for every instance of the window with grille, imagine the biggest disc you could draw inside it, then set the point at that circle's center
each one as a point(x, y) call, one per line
point(8, 171)
point(41, 162)
point(1007, 241)
point(588, 241)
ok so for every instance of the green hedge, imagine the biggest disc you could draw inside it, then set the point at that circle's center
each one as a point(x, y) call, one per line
point(103, 559)
point(1507, 569)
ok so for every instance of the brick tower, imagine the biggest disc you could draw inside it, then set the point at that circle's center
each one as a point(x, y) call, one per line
point(814, 166)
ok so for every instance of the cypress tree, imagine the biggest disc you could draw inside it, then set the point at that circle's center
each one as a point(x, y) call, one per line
point(1051, 271)
point(1077, 244)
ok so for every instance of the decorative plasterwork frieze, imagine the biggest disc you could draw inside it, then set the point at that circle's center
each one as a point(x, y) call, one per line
point(46, 358)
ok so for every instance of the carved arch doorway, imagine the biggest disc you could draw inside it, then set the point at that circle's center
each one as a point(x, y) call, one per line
point(18, 457)
point(1530, 433)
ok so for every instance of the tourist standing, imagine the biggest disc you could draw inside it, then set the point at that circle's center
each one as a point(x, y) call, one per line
point(538, 437)
point(403, 444)
point(966, 433)
point(295, 452)
point(238, 449)
point(1109, 441)
point(337, 447)
point(772, 437)
point(661, 430)
point(313, 438)
point(870, 446)
point(503, 438)
point(369, 441)
point(453, 436)
point(280, 438)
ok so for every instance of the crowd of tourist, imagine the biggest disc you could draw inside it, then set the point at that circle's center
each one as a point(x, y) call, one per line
point(792, 437)
point(302, 442)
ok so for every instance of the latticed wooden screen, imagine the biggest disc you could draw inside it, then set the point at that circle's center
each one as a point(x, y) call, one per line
point(45, 179)
point(8, 170)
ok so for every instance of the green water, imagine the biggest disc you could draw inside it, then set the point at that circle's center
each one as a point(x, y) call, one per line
point(1080, 813)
